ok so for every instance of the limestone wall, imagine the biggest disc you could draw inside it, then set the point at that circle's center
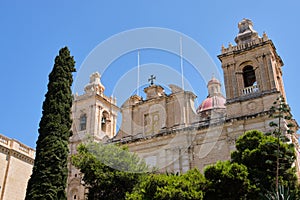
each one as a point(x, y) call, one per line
point(16, 162)
point(195, 146)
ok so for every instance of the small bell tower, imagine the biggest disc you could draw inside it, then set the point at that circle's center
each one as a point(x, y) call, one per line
point(252, 72)
point(93, 112)
point(94, 117)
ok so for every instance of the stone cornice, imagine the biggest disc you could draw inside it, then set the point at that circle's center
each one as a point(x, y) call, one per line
point(16, 154)
point(198, 126)
point(16, 149)
point(251, 96)
point(233, 50)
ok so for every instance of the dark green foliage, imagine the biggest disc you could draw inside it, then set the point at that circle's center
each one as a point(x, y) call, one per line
point(48, 180)
point(280, 194)
point(258, 153)
point(109, 171)
point(169, 187)
point(250, 174)
point(282, 130)
point(227, 181)
point(282, 112)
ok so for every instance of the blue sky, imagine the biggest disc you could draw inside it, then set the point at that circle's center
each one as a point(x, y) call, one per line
point(32, 32)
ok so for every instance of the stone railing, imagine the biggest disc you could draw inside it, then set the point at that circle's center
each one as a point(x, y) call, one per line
point(24, 148)
point(4, 140)
point(17, 146)
point(250, 90)
point(244, 45)
point(111, 99)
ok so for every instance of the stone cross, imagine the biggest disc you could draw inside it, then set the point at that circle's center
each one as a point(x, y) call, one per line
point(151, 79)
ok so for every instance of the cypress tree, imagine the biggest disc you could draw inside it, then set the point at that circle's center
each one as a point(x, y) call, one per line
point(49, 174)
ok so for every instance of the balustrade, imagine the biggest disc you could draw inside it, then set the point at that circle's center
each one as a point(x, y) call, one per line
point(250, 89)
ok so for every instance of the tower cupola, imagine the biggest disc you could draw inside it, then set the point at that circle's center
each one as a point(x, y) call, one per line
point(95, 84)
point(215, 99)
point(246, 32)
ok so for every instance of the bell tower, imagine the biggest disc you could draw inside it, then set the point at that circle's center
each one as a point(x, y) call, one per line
point(252, 72)
point(94, 117)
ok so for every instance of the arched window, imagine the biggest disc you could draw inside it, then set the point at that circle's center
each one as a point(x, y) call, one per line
point(82, 122)
point(249, 76)
point(104, 121)
point(73, 194)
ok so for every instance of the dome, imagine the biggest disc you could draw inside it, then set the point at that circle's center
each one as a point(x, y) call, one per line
point(213, 102)
point(213, 80)
point(215, 99)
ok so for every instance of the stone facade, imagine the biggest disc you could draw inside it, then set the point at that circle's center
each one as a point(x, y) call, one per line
point(169, 132)
point(16, 167)
point(94, 116)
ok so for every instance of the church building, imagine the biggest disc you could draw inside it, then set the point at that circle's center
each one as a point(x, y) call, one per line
point(16, 163)
point(168, 131)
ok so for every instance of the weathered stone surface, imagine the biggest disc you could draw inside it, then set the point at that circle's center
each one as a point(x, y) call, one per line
point(16, 167)
point(166, 130)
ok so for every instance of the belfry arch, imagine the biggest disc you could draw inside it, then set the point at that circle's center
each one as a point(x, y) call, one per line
point(249, 76)
point(105, 122)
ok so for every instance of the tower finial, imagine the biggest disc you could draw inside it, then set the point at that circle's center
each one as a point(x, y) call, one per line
point(151, 79)
point(246, 32)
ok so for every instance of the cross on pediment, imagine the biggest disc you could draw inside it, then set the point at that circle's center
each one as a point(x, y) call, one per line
point(151, 79)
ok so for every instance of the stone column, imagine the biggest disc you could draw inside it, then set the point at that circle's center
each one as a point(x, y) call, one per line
point(261, 74)
point(270, 68)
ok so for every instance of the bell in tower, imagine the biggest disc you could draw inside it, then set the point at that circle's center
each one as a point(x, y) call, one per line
point(252, 72)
